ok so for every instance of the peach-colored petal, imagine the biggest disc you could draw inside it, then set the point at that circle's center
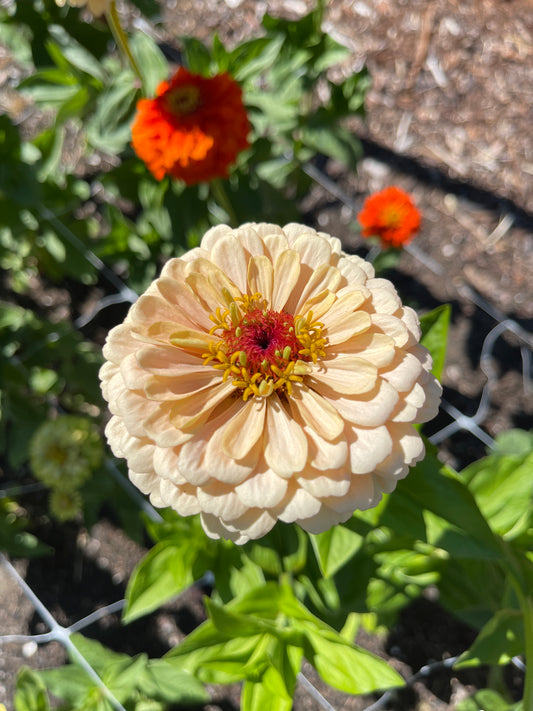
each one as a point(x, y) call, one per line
point(370, 409)
point(261, 276)
point(262, 490)
point(228, 254)
point(220, 500)
point(255, 523)
point(317, 412)
point(180, 385)
point(369, 446)
point(343, 329)
point(324, 277)
point(324, 454)
point(222, 407)
point(182, 296)
point(376, 348)
point(321, 485)
point(286, 273)
point(346, 374)
point(161, 430)
point(244, 428)
point(285, 443)
point(404, 372)
point(385, 299)
point(297, 504)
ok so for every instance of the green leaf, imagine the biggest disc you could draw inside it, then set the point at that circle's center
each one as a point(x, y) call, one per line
point(347, 667)
point(30, 694)
point(213, 657)
point(501, 639)
point(197, 56)
point(434, 327)
point(515, 443)
point(164, 682)
point(335, 547)
point(437, 488)
point(150, 60)
point(334, 142)
point(503, 487)
point(163, 573)
point(70, 683)
point(347, 98)
point(486, 700)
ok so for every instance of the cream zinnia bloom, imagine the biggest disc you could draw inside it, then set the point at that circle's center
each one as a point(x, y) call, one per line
point(267, 375)
point(97, 7)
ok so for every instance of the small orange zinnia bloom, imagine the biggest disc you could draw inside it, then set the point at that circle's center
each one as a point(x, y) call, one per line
point(193, 129)
point(390, 215)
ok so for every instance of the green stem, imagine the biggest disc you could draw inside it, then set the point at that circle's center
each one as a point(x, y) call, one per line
point(121, 38)
point(221, 196)
point(526, 605)
point(520, 574)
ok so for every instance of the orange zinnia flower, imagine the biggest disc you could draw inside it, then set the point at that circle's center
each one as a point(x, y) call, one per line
point(390, 215)
point(193, 129)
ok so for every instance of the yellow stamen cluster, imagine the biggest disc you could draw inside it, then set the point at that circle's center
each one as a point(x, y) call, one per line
point(262, 351)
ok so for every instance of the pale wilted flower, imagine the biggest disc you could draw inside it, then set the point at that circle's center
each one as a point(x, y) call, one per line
point(267, 375)
point(97, 7)
point(64, 452)
point(64, 505)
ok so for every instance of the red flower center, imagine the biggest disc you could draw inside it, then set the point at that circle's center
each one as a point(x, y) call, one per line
point(183, 100)
point(265, 338)
point(262, 350)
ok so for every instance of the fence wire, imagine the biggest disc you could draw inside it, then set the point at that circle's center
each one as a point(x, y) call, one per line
point(472, 424)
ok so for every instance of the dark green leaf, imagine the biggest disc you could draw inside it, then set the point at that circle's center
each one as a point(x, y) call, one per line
point(499, 641)
point(30, 694)
point(347, 667)
point(161, 680)
point(163, 573)
point(334, 548)
point(434, 327)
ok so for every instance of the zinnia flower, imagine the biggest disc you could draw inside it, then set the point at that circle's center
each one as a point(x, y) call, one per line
point(97, 7)
point(193, 129)
point(267, 375)
point(390, 215)
point(64, 452)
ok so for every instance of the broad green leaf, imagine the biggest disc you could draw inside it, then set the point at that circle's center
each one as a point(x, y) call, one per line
point(436, 488)
point(347, 98)
point(487, 700)
point(453, 540)
point(347, 667)
point(334, 142)
point(163, 573)
point(161, 680)
point(473, 589)
point(197, 55)
point(514, 442)
point(70, 683)
point(335, 547)
point(434, 327)
point(503, 487)
point(150, 60)
point(258, 696)
point(30, 694)
point(501, 639)
point(213, 657)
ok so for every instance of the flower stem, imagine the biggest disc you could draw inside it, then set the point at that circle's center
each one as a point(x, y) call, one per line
point(221, 196)
point(121, 38)
point(526, 605)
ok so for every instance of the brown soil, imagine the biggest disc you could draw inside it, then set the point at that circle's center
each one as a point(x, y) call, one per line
point(449, 118)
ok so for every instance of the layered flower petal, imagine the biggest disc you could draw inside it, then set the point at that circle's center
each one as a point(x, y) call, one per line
point(267, 376)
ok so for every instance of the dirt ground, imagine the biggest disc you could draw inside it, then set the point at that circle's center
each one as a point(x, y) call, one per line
point(449, 119)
